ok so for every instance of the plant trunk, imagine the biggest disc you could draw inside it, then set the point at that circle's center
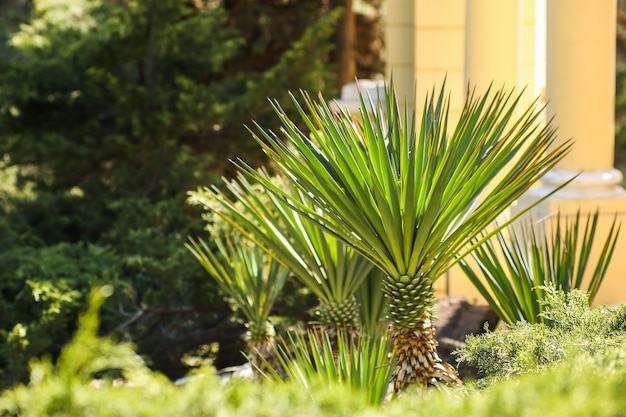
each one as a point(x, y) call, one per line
point(417, 361)
point(345, 43)
point(261, 348)
point(414, 347)
point(261, 354)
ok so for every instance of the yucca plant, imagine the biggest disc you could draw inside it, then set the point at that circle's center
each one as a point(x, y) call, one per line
point(410, 198)
point(332, 270)
point(252, 281)
point(312, 357)
point(512, 273)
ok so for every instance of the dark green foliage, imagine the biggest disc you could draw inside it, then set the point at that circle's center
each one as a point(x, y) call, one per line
point(141, 255)
point(40, 291)
point(12, 14)
point(109, 112)
point(130, 97)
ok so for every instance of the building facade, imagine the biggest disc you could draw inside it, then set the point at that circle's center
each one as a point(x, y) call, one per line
point(560, 50)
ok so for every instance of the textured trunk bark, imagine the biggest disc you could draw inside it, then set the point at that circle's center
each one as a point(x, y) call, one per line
point(417, 361)
point(260, 347)
point(261, 354)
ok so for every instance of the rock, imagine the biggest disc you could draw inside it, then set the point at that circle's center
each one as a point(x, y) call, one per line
point(226, 374)
point(239, 371)
point(458, 318)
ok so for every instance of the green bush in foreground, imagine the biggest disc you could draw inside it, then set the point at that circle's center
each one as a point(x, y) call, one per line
point(587, 386)
point(570, 329)
point(95, 377)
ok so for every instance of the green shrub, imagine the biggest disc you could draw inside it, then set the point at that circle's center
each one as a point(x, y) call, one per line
point(96, 377)
point(142, 255)
point(571, 329)
point(581, 387)
point(40, 293)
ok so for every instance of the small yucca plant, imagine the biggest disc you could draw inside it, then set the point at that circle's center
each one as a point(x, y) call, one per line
point(331, 269)
point(410, 199)
point(252, 281)
point(512, 273)
point(361, 362)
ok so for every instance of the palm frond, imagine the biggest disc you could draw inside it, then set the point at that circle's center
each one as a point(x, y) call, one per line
point(409, 202)
point(372, 302)
point(250, 278)
point(331, 269)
